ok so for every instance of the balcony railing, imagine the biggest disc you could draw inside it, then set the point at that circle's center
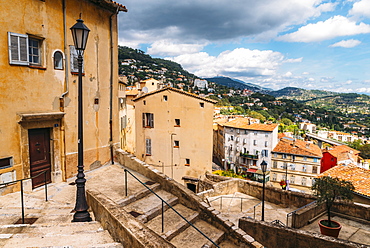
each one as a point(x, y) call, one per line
point(250, 156)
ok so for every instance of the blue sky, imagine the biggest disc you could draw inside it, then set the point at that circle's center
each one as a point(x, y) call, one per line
point(310, 44)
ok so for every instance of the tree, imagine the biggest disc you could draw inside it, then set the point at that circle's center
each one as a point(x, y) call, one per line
point(365, 151)
point(328, 189)
point(286, 121)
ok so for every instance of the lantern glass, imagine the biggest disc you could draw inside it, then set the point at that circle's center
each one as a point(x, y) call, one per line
point(264, 166)
point(80, 34)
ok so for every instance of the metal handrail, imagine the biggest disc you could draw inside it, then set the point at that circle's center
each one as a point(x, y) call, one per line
point(163, 201)
point(21, 180)
point(295, 211)
point(230, 197)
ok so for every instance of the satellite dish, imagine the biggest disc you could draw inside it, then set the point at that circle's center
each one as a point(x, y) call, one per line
point(145, 89)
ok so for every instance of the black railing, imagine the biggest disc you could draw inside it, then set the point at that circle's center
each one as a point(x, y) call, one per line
point(164, 202)
point(230, 197)
point(290, 215)
point(2, 185)
point(247, 155)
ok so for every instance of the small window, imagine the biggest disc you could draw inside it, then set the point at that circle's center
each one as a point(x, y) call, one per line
point(292, 166)
point(231, 130)
point(232, 137)
point(304, 181)
point(165, 98)
point(202, 104)
point(34, 51)
point(275, 155)
point(274, 177)
point(176, 144)
point(315, 160)
point(285, 165)
point(304, 158)
point(58, 60)
point(237, 131)
point(314, 169)
point(266, 143)
point(177, 122)
point(255, 142)
point(6, 162)
point(265, 153)
point(304, 168)
point(292, 179)
point(266, 135)
point(148, 120)
point(187, 162)
point(148, 147)
point(255, 132)
point(144, 102)
point(245, 132)
point(274, 164)
point(284, 156)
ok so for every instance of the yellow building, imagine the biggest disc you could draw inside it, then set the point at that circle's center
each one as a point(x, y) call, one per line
point(38, 90)
point(174, 132)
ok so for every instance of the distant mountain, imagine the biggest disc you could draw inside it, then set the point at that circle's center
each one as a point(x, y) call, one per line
point(300, 94)
point(237, 84)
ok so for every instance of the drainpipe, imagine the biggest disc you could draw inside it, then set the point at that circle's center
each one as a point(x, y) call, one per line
point(111, 85)
point(61, 98)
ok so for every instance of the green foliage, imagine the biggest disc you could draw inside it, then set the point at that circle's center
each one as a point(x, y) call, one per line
point(365, 151)
point(228, 173)
point(328, 189)
point(286, 121)
point(255, 114)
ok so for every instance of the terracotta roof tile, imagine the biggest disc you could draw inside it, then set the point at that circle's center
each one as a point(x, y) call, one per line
point(342, 152)
point(297, 147)
point(244, 124)
point(359, 177)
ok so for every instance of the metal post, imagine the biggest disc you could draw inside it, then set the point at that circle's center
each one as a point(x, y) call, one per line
point(81, 215)
point(46, 187)
point(221, 203)
point(263, 197)
point(22, 202)
point(162, 217)
point(125, 182)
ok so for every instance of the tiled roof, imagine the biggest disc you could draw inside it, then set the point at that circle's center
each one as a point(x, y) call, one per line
point(176, 90)
point(359, 177)
point(110, 4)
point(342, 152)
point(297, 147)
point(132, 92)
point(243, 123)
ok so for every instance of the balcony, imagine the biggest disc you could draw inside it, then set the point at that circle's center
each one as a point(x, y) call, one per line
point(249, 156)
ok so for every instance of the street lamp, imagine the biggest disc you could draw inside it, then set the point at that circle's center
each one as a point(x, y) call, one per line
point(80, 34)
point(264, 168)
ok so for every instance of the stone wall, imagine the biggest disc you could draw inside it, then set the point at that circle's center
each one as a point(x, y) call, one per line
point(187, 198)
point(276, 237)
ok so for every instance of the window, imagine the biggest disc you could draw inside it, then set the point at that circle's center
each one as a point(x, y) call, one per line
point(148, 147)
point(265, 153)
point(314, 169)
point(292, 179)
point(144, 102)
point(148, 120)
point(293, 157)
point(123, 122)
point(165, 98)
point(58, 60)
point(122, 103)
point(24, 49)
point(284, 156)
point(6, 162)
point(315, 160)
point(177, 122)
point(285, 165)
point(244, 141)
point(201, 104)
point(304, 168)
point(255, 142)
point(266, 135)
point(245, 131)
point(232, 137)
point(187, 162)
point(255, 132)
point(274, 164)
point(274, 176)
point(231, 130)
point(176, 144)
point(237, 130)
point(74, 61)
point(304, 181)
point(292, 166)
point(304, 158)
point(275, 155)
point(266, 143)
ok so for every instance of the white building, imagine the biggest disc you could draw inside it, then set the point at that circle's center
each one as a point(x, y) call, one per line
point(201, 83)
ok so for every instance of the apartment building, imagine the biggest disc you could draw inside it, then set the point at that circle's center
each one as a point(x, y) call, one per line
point(39, 95)
point(174, 132)
point(242, 145)
point(296, 162)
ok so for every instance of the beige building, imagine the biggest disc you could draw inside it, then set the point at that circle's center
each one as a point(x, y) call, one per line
point(38, 89)
point(295, 161)
point(174, 132)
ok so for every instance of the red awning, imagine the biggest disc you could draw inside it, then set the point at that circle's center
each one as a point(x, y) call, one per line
point(252, 170)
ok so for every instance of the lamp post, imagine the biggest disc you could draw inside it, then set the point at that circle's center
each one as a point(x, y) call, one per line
point(80, 34)
point(264, 168)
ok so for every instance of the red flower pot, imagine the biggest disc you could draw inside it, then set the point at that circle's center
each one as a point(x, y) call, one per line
point(330, 231)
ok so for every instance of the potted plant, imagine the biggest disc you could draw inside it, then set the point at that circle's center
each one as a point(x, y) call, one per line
point(327, 190)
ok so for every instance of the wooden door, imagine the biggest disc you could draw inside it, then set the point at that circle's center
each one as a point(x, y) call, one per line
point(39, 148)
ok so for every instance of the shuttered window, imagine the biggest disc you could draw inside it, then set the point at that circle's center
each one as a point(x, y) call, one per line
point(74, 61)
point(148, 120)
point(148, 146)
point(18, 48)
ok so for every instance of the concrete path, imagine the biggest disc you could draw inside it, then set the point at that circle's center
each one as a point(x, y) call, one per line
point(52, 226)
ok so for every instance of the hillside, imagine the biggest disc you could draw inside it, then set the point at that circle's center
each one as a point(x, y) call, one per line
point(236, 84)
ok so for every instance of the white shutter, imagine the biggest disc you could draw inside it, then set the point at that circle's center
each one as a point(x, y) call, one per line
point(74, 61)
point(18, 48)
point(148, 146)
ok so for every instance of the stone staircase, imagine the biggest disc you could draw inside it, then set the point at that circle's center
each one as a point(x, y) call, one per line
point(146, 207)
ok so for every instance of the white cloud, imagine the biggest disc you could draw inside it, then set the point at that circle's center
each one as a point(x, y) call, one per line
point(288, 74)
point(298, 60)
point(305, 73)
point(235, 63)
point(347, 43)
point(168, 48)
point(361, 8)
point(333, 27)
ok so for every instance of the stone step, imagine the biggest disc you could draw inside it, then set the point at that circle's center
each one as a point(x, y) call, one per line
point(173, 223)
point(139, 195)
point(157, 210)
point(147, 203)
point(52, 239)
point(228, 244)
point(191, 238)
